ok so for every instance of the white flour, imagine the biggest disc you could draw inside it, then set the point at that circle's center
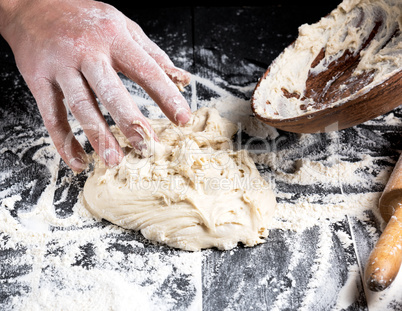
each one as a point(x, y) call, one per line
point(117, 280)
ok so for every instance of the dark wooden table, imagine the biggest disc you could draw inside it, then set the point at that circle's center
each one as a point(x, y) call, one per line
point(53, 256)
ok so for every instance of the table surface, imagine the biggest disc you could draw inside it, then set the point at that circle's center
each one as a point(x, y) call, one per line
point(54, 256)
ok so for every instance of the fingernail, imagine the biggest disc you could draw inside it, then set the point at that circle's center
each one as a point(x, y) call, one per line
point(77, 164)
point(112, 157)
point(137, 139)
point(182, 117)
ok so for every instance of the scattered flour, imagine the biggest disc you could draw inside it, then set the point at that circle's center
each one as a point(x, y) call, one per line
point(52, 247)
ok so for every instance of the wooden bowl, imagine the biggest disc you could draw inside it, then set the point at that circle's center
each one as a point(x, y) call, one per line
point(339, 96)
point(361, 108)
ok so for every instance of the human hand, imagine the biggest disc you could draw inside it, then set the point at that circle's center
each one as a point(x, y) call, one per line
point(72, 49)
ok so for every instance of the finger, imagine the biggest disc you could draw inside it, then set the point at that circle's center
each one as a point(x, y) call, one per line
point(110, 90)
point(54, 114)
point(179, 76)
point(84, 107)
point(130, 59)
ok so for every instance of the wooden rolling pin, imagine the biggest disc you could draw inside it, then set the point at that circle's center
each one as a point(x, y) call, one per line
point(385, 259)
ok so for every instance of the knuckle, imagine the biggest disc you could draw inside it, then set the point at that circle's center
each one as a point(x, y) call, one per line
point(77, 102)
point(108, 93)
point(94, 137)
point(103, 79)
point(38, 83)
point(108, 90)
point(109, 23)
point(54, 125)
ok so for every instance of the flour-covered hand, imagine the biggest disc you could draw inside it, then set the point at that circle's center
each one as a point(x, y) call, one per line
point(70, 52)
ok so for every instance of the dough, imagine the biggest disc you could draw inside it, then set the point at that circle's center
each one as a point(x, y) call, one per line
point(193, 192)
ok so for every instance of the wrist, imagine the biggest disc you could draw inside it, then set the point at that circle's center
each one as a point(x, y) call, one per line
point(8, 9)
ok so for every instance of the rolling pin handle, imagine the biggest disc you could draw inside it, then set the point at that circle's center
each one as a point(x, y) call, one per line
point(385, 259)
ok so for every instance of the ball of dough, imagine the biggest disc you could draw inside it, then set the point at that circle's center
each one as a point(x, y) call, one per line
point(192, 191)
